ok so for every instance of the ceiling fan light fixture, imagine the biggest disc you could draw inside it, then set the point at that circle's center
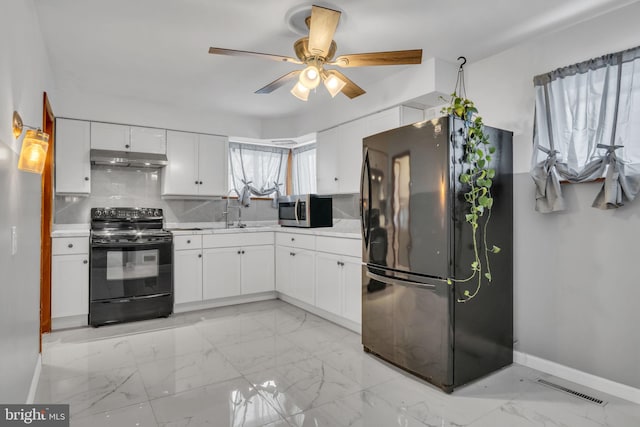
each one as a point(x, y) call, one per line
point(334, 84)
point(310, 77)
point(300, 91)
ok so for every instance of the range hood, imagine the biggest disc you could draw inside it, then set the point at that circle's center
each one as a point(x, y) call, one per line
point(127, 159)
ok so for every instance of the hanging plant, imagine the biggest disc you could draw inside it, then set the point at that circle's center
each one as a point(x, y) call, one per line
point(477, 177)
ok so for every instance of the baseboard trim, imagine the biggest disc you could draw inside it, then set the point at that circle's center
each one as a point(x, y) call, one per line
point(346, 323)
point(31, 396)
point(222, 302)
point(613, 388)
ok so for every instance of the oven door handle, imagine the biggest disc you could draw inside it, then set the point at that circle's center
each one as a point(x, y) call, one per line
point(103, 244)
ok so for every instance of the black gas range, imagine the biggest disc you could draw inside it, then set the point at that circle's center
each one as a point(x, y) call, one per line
point(131, 271)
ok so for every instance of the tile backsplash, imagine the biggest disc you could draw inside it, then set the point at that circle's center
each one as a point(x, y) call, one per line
point(120, 187)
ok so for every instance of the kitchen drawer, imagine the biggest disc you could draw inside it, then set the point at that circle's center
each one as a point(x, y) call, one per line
point(193, 241)
point(236, 239)
point(303, 241)
point(339, 246)
point(69, 245)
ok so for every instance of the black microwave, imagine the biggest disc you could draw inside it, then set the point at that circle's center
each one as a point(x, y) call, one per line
point(307, 210)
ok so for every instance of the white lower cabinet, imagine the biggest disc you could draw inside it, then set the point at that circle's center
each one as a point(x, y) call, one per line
point(70, 277)
point(187, 276)
point(339, 285)
point(295, 266)
point(69, 285)
point(221, 273)
point(209, 267)
point(258, 273)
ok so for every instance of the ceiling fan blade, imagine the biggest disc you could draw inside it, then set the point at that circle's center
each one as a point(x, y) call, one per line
point(232, 52)
point(321, 29)
point(396, 57)
point(351, 89)
point(279, 82)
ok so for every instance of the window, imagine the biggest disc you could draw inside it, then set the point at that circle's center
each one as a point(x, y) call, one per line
point(303, 170)
point(257, 169)
point(586, 127)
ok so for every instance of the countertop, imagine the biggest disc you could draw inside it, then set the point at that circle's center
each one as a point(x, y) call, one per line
point(345, 228)
point(70, 230)
point(342, 228)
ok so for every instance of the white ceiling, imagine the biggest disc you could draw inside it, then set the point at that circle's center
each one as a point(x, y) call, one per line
point(156, 50)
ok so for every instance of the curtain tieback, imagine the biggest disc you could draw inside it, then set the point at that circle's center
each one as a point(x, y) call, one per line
point(611, 151)
point(551, 159)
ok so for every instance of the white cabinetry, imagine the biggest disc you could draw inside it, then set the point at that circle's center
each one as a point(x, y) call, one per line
point(339, 150)
point(391, 119)
point(69, 281)
point(338, 277)
point(197, 165)
point(109, 136)
point(295, 266)
point(187, 275)
point(73, 167)
point(213, 266)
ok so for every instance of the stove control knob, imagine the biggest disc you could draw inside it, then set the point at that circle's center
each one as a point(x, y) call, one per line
point(112, 212)
point(98, 212)
point(157, 212)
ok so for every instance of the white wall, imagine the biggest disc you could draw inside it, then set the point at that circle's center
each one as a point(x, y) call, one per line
point(24, 75)
point(576, 285)
point(76, 104)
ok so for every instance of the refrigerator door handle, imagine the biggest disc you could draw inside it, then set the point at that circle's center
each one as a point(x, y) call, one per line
point(396, 281)
point(363, 176)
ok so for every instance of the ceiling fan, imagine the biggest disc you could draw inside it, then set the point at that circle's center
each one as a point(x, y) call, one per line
point(318, 50)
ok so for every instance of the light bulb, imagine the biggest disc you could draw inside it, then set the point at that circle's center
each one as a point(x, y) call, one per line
point(300, 91)
point(310, 77)
point(334, 84)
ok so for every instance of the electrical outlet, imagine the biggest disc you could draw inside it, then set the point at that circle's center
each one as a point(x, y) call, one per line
point(14, 240)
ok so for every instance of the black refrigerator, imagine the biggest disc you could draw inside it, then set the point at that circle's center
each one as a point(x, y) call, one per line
point(415, 237)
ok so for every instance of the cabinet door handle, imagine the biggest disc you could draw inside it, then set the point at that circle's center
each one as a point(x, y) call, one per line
point(242, 252)
point(199, 255)
point(200, 183)
point(293, 240)
point(86, 178)
point(196, 182)
point(70, 245)
point(238, 252)
point(127, 146)
point(188, 242)
point(84, 261)
point(335, 178)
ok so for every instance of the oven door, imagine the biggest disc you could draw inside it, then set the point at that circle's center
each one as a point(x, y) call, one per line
point(130, 270)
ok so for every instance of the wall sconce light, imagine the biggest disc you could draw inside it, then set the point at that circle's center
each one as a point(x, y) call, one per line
point(34, 146)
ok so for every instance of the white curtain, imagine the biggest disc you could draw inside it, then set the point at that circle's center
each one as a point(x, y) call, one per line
point(587, 126)
point(257, 170)
point(304, 169)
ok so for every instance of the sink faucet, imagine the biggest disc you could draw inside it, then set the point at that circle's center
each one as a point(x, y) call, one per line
point(228, 223)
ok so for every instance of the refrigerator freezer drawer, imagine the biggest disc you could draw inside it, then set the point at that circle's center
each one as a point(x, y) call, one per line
point(408, 324)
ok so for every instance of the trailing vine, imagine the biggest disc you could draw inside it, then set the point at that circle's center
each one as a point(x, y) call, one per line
point(478, 179)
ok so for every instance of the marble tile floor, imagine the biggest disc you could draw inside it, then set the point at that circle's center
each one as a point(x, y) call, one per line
point(273, 364)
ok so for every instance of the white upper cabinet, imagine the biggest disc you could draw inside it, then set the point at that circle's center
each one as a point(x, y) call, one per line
point(148, 140)
point(338, 158)
point(197, 165)
point(212, 165)
point(72, 165)
point(339, 150)
point(108, 136)
point(327, 143)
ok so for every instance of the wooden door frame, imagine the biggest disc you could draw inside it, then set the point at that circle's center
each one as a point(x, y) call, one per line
point(46, 220)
